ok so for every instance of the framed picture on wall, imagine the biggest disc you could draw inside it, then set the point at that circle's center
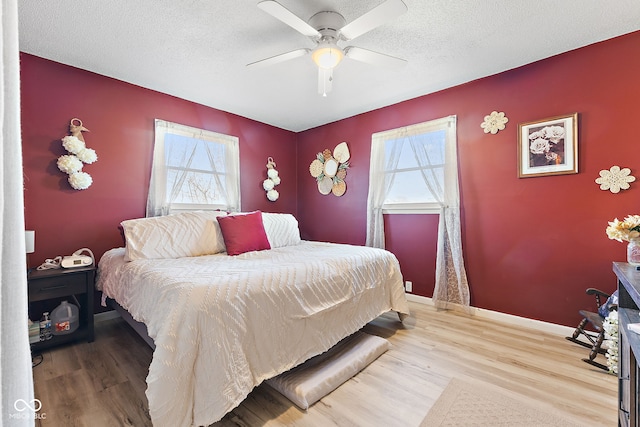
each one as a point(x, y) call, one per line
point(548, 146)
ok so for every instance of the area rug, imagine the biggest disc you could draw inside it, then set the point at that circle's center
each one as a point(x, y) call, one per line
point(473, 404)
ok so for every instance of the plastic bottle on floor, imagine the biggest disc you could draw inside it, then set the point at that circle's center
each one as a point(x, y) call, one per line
point(64, 319)
point(45, 327)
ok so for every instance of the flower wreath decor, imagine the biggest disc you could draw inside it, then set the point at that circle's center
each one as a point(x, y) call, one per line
point(494, 122)
point(615, 179)
point(610, 327)
point(72, 163)
point(330, 170)
point(272, 180)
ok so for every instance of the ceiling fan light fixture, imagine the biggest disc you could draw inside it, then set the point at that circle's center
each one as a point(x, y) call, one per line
point(327, 55)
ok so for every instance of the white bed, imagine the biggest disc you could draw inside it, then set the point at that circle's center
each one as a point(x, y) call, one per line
point(222, 324)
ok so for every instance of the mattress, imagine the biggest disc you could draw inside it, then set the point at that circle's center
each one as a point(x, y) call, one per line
point(223, 324)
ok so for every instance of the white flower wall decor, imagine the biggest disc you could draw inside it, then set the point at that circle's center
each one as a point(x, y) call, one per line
point(615, 179)
point(330, 170)
point(72, 163)
point(494, 122)
point(272, 180)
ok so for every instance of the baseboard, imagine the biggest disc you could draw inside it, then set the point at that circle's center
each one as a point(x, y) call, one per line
point(539, 325)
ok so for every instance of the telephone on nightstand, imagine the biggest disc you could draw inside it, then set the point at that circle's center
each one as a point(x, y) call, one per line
point(74, 260)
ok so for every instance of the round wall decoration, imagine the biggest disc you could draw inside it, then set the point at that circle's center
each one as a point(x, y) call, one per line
point(330, 170)
point(330, 167)
point(615, 179)
point(494, 122)
point(325, 185)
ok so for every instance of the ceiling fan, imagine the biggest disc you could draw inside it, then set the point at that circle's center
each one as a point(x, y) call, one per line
point(326, 29)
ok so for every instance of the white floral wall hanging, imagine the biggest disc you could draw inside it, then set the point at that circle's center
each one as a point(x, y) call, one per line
point(615, 179)
point(72, 163)
point(330, 170)
point(494, 122)
point(272, 180)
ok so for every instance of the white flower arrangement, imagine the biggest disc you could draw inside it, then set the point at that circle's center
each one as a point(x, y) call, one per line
point(268, 184)
point(72, 144)
point(610, 326)
point(272, 180)
point(69, 164)
point(624, 230)
point(80, 180)
point(87, 155)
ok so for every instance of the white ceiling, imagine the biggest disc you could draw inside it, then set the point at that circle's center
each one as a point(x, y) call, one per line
point(198, 49)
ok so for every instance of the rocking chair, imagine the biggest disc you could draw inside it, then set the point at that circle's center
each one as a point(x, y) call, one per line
point(594, 320)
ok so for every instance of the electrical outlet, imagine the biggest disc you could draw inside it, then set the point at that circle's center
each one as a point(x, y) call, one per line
point(408, 286)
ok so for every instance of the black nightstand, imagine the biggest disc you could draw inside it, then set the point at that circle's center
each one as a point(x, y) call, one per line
point(47, 288)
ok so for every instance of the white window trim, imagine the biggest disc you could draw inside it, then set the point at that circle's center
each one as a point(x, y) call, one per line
point(411, 208)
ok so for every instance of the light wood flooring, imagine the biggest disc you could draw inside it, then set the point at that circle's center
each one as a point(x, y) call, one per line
point(102, 383)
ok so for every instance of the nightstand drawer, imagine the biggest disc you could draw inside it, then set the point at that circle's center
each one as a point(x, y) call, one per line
point(52, 287)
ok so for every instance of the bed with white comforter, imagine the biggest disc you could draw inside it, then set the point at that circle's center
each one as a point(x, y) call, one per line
point(223, 324)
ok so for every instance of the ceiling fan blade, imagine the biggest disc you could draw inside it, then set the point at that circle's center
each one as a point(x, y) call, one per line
point(325, 80)
point(375, 58)
point(280, 12)
point(377, 16)
point(279, 58)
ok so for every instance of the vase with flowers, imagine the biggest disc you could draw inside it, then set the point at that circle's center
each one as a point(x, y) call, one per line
point(629, 231)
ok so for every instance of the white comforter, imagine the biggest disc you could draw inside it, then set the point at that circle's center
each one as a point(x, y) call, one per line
point(224, 324)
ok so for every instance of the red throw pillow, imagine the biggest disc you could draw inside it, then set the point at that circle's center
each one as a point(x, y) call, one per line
point(243, 233)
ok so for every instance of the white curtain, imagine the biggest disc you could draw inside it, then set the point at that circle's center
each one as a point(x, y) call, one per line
point(379, 185)
point(161, 200)
point(15, 356)
point(451, 286)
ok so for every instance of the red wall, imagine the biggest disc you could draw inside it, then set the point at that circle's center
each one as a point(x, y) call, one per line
point(120, 118)
point(533, 245)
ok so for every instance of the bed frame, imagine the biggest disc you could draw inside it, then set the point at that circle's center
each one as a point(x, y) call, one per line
point(139, 327)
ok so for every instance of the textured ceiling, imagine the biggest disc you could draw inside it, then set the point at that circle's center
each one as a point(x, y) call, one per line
point(198, 49)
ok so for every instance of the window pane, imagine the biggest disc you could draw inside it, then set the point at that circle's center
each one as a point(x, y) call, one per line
point(195, 170)
point(185, 152)
point(418, 176)
point(195, 188)
point(410, 187)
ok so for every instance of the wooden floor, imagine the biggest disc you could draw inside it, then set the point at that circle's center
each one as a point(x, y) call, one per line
point(103, 383)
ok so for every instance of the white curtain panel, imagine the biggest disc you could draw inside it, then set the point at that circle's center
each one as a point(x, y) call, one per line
point(379, 185)
point(451, 285)
point(15, 357)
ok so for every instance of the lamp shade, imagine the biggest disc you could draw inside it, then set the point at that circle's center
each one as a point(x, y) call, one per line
point(327, 55)
point(30, 241)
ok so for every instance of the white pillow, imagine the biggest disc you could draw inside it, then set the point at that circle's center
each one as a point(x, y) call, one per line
point(173, 236)
point(282, 229)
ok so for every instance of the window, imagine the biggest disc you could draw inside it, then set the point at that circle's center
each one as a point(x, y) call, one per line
point(415, 170)
point(193, 169)
point(408, 167)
